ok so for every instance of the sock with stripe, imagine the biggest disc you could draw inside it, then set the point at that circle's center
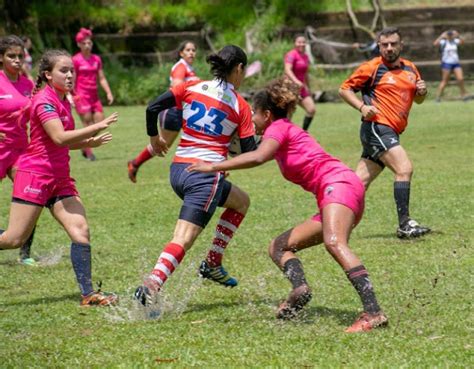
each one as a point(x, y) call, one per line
point(401, 192)
point(293, 270)
point(228, 223)
point(360, 280)
point(169, 259)
point(82, 265)
point(144, 156)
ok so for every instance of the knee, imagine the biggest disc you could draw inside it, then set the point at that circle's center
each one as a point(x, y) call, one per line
point(405, 173)
point(311, 111)
point(80, 233)
point(333, 244)
point(244, 202)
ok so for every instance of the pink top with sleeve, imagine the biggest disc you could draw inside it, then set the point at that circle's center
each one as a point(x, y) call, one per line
point(43, 155)
point(300, 63)
point(87, 71)
point(300, 157)
point(15, 106)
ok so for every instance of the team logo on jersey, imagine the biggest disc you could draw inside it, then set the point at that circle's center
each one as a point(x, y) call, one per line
point(329, 189)
point(205, 87)
point(391, 80)
point(48, 108)
point(6, 96)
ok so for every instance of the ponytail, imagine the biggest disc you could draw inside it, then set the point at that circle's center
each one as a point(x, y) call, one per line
point(223, 62)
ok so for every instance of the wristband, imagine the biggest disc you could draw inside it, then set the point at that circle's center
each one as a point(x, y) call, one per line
point(360, 108)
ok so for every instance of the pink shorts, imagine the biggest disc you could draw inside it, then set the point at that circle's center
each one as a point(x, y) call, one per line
point(345, 189)
point(8, 159)
point(87, 104)
point(42, 189)
point(304, 93)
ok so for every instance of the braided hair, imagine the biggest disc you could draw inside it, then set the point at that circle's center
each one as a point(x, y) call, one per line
point(46, 64)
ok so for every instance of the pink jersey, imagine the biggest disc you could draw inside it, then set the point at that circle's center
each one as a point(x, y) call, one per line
point(184, 71)
point(15, 106)
point(43, 155)
point(87, 71)
point(299, 62)
point(212, 112)
point(300, 157)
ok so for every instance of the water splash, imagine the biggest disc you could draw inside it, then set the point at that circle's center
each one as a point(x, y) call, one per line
point(51, 258)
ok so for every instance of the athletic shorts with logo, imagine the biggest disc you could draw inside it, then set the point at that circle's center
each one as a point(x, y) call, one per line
point(201, 193)
point(86, 103)
point(376, 139)
point(42, 189)
point(343, 188)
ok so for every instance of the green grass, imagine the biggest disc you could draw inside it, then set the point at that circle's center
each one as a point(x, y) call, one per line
point(425, 286)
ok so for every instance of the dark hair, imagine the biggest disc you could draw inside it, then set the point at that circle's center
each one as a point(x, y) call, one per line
point(279, 96)
point(181, 48)
point(223, 62)
point(7, 42)
point(298, 35)
point(389, 31)
point(46, 64)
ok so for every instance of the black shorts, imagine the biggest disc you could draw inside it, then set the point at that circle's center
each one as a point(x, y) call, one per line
point(171, 119)
point(201, 193)
point(376, 139)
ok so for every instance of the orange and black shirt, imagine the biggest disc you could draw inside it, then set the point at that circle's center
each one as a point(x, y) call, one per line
point(390, 90)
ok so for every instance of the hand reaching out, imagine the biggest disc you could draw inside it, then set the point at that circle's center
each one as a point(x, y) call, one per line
point(160, 147)
point(99, 140)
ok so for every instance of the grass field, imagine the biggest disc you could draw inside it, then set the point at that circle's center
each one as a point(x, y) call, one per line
point(424, 286)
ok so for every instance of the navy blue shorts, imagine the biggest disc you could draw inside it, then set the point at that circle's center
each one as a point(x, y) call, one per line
point(449, 66)
point(376, 139)
point(201, 193)
point(171, 119)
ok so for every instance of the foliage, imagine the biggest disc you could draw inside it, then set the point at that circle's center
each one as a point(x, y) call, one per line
point(425, 286)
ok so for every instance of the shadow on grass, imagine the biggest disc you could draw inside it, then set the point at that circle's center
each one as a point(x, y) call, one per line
point(389, 236)
point(45, 300)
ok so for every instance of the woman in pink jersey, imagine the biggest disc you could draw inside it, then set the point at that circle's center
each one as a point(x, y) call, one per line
point(42, 178)
point(88, 67)
point(212, 112)
point(170, 119)
point(296, 69)
point(339, 194)
point(15, 102)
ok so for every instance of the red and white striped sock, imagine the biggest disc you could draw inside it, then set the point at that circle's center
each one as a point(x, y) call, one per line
point(144, 156)
point(228, 224)
point(169, 259)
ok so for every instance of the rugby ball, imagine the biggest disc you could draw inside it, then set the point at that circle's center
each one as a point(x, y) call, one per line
point(234, 147)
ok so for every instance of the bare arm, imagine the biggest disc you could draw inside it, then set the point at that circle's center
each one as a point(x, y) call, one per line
point(264, 153)
point(55, 130)
point(291, 75)
point(105, 85)
point(349, 96)
point(444, 35)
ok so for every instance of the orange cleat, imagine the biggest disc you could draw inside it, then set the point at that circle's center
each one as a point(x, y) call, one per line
point(132, 171)
point(366, 322)
point(297, 299)
point(99, 299)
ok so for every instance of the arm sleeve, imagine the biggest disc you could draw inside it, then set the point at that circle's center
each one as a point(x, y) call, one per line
point(246, 127)
point(45, 112)
point(248, 144)
point(358, 79)
point(179, 72)
point(162, 102)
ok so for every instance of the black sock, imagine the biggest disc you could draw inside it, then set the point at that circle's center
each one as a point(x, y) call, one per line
point(360, 280)
point(25, 250)
point(306, 122)
point(293, 270)
point(401, 192)
point(81, 263)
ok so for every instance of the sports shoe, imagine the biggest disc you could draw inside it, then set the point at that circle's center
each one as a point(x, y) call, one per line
point(89, 156)
point(412, 229)
point(28, 261)
point(98, 298)
point(149, 301)
point(217, 274)
point(296, 300)
point(366, 322)
point(132, 171)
